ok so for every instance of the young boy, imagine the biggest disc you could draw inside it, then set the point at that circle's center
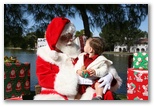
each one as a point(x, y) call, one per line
point(92, 62)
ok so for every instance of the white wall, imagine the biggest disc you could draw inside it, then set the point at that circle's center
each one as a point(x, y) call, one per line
point(135, 48)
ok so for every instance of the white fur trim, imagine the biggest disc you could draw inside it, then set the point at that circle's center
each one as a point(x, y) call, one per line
point(48, 97)
point(113, 71)
point(69, 28)
point(88, 95)
point(66, 80)
point(54, 55)
point(47, 54)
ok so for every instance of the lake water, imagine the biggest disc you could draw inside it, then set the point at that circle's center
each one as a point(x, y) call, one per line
point(120, 62)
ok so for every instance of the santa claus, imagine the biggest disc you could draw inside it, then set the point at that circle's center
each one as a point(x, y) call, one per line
point(55, 65)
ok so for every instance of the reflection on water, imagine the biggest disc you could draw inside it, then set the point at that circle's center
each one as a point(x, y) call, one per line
point(120, 62)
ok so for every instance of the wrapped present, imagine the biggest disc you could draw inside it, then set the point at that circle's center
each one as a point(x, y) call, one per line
point(16, 79)
point(11, 59)
point(140, 60)
point(137, 84)
point(15, 98)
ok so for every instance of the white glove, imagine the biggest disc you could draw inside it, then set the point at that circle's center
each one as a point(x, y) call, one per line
point(106, 81)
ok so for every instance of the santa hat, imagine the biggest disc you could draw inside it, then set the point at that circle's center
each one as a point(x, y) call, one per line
point(57, 27)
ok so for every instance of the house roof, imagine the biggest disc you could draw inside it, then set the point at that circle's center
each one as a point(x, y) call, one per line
point(142, 41)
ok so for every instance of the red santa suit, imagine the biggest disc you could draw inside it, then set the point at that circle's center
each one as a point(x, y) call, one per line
point(55, 70)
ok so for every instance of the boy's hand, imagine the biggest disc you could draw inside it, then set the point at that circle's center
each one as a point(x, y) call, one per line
point(91, 72)
point(79, 72)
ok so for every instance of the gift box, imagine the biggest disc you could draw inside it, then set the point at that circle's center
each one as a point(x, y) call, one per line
point(137, 84)
point(16, 79)
point(140, 60)
point(15, 98)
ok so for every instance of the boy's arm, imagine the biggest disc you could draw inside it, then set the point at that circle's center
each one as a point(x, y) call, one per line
point(102, 70)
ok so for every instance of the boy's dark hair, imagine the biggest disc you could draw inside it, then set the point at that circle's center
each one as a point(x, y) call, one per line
point(98, 44)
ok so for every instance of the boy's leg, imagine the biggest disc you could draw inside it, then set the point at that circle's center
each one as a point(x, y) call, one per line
point(99, 92)
point(78, 96)
point(107, 96)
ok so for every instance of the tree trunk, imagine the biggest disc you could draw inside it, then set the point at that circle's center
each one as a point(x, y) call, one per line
point(85, 20)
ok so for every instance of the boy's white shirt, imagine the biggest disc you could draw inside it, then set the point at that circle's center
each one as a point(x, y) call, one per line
point(100, 65)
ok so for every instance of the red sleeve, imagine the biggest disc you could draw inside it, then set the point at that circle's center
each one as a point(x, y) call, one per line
point(75, 61)
point(46, 73)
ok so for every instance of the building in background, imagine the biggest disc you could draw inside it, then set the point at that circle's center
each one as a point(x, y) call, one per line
point(140, 45)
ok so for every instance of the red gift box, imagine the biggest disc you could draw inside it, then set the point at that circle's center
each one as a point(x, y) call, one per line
point(15, 98)
point(137, 84)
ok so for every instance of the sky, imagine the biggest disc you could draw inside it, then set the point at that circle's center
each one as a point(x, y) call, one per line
point(79, 25)
point(77, 21)
point(145, 25)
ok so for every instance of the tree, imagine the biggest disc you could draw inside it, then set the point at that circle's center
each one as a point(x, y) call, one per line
point(145, 33)
point(81, 33)
point(14, 22)
point(31, 40)
point(93, 15)
point(122, 34)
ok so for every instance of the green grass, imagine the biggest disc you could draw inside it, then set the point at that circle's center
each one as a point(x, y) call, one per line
point(122, 97)
point(120, 53)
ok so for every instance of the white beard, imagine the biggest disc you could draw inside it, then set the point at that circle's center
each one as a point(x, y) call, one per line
point(71, 49)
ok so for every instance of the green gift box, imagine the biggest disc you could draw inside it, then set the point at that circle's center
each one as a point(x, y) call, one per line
point(140, 60)
point(16, 79)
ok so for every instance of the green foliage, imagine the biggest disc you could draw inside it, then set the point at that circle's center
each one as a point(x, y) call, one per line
point(81, 33)
point(121, 33)
point(115, 96)
point(93, 16)
point(13, 24)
